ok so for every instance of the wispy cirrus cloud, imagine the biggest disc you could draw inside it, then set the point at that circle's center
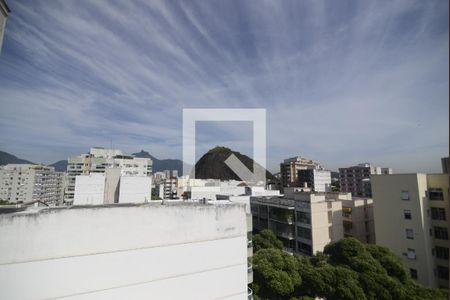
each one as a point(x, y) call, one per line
point(342, 82)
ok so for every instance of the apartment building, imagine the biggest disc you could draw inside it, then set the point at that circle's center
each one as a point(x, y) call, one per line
point(25, 183)
point(168, 188)
point(317, 180)
point(175, 250)
point(357, 217)
point(289, 169)
point(356, 179)
point(411, 218)
point(305, 222)
point(98, 160)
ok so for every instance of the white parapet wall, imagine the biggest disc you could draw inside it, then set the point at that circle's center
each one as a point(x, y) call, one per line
point(125, 251)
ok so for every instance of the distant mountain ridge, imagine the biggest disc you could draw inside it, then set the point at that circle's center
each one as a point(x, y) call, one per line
point(162, 164)
point(6, 158)
point(212, 165)
point(61, 165)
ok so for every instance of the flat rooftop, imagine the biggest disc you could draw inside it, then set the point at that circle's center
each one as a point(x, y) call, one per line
point(15, 210)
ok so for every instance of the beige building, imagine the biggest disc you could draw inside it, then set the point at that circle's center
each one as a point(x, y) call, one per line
point(411, 218)
point(24, 183)
point(289, 169)
point(357, 218)
point(305, 222)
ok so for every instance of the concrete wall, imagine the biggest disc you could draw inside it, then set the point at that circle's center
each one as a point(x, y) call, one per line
point(148, 251)
point(326, 223)
point(390, 224)
point(322, 181)
point(89, 189)
point(135, 189)
point(112, 179)
point(208, 192)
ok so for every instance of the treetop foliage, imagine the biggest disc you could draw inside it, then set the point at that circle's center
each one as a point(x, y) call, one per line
point(346, 270)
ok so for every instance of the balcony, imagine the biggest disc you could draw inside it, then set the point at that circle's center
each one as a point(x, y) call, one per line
point(250, 293)
point(249, 273)
point(286, 234)
point(281, 215)
point(288, 249)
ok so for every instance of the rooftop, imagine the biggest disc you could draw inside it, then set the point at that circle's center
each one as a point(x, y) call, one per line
point(27, 210)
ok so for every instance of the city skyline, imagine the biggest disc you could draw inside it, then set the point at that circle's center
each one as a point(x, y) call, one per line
point(343, 84)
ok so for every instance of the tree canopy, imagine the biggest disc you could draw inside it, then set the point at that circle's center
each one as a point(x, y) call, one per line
point(347, 269)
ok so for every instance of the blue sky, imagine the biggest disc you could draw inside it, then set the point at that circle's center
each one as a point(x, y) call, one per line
point(342, 81)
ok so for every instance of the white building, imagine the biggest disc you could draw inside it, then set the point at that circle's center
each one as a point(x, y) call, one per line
point(148, 251)
point(134, 189)
point(317, 180)
point(27, 182)
point(100, 159)
point(168, 188)
point(89, 189)
point(110, 187)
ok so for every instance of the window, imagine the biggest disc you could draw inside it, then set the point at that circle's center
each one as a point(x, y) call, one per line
point(442, 272)
point(304, 232)
point(411, 254)
point(304, 248)
point(435, 194)
point(303, 217)
point(409, 234)
point(407, 214)
point(413, 273)
point(440, 233)
point(348, 225)
point(441, 252)
point(405, 195)
point(438, 213)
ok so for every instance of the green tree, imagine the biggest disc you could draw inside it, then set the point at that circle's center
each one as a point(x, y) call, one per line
point(347, 269)
point(266, 239)
point(276, 274)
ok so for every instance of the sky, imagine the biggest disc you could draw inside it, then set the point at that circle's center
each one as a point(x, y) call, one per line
point(343, 82)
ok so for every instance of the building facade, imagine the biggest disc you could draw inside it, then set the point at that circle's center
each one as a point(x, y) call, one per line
point(172, 251)
point(357, 217)
point(317, 180)
point(100, 159)
point(305, 222)
point(411, 218)
point(289, 169)
point(356, 179)
point(111, 187)
point(24, 183)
